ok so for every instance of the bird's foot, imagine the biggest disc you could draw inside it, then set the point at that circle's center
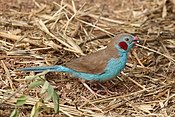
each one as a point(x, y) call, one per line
point(94, 93)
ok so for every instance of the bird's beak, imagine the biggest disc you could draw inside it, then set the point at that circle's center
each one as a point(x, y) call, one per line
point(136, 40)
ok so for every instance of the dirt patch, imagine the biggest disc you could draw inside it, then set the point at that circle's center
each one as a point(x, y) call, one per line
point(37, 33)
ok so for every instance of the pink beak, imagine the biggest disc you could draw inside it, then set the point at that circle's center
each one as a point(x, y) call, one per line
point(136, 40)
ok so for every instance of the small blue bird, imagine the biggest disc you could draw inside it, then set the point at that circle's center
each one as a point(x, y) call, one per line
point(101, 65)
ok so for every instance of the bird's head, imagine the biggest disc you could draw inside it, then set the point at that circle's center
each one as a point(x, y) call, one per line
point(125, 42)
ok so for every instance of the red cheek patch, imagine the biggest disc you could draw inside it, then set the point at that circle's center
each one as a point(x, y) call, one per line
point(123, 45)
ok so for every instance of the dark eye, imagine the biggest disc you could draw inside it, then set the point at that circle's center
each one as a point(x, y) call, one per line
point(127, 39)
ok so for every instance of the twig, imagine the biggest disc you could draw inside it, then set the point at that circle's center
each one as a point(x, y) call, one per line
point(13, 94)
point(7, 74)
point(166, 56)
point(16, 38)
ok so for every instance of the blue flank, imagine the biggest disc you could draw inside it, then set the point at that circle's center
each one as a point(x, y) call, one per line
point(113, 68)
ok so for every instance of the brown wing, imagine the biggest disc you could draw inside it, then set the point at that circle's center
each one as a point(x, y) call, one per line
point(94, 63)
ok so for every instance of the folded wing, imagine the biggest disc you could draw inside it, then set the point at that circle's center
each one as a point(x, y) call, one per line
point(94, 63)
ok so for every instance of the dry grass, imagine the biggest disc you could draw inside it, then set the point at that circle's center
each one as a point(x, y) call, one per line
point(35, 33)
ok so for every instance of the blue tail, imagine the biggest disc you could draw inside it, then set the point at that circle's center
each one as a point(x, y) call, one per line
point(56, 68)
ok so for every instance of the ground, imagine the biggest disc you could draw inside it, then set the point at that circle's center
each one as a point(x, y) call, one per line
point(49, 32)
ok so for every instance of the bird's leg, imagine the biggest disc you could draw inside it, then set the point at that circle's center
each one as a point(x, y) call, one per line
point(105, 89)
point(95, 94)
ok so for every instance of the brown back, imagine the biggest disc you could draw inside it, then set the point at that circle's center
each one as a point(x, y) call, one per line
point(95, 62)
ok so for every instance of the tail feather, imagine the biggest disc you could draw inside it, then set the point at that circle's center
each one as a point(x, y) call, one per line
point(56, 68)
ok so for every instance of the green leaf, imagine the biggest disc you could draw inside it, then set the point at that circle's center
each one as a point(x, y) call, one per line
point(36, 109)
point(35, 84)
point(34, 112)
point(50, 92)
point(14, 113)
point(21, 101)
point(56, 102)
point(30, 77)
point(45, 87)
point(37, 76)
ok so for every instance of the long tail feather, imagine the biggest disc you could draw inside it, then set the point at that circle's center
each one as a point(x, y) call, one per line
point(56, 68)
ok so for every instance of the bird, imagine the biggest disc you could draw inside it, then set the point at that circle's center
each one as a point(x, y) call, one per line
point(98, 66)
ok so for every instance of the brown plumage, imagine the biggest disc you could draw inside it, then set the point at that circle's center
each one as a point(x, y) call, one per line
point(96, 62)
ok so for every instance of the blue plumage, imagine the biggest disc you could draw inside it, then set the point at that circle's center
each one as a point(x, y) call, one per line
point(115, 57)
point(56, 68)
point(113, 68)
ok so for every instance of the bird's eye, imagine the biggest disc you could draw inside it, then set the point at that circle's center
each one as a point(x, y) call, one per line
point(127, 39)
